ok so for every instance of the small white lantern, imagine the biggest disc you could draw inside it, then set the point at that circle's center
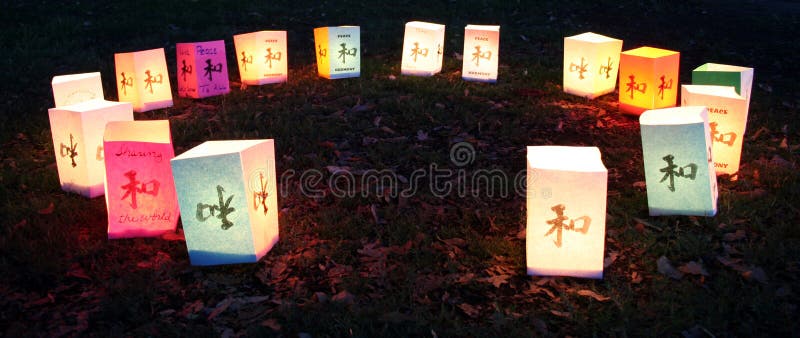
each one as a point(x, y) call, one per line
point(228, 200)
point(481, 53)
point(77, 88)
point(591, 64)
point(143, 79)
point(678, 168)
point(716, 74)
point(262, 57)
point(566, 206)
point(338, 51)
point(423, 49)
point(202, 69)
point(78, 142)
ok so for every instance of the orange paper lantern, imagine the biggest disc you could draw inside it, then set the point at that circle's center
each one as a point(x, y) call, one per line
point(262, 57)
point(338, 51)
point(648, 79)
point(143, 80)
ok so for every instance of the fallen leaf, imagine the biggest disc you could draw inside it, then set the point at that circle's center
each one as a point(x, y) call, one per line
point(271, 323)
point(612, 256)
point(469, 310)
point(693, 268)
point(49, 210)
point(344, 297)
point(665, 268)
point(560, 314)
point(755, 273)
point(498, 280)
point(221, 307)
point(421, 135)
point(590, 293)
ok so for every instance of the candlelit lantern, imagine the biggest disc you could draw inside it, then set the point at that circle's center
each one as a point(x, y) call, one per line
point(423, 49)
point(566, 203)
point(648, 79)
point(143, 80)
point(481, 53)
point(262, 57)
point(678, 169)
point(202, 69)
point(228, 200)
point(78, 142)
point(716, 74)
point(338, 51)
point(76, 88)
point(140, 191)
point(727, 119)
point(591, 64)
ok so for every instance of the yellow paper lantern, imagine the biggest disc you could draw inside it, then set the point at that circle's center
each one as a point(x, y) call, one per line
point(423, 49)
point(566, 207)
point(338, 51)
point(143, 79)
point(481, 53)
point(202, 69)
point(262, 57)
point(76, 88)
point(648, 79)
point(78, 142)
point(591, 64)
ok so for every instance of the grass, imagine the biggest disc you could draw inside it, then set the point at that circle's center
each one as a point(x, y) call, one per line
point(437, 255)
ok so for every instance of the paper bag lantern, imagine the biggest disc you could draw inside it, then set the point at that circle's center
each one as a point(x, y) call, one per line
point(423, 49)
point(338, 51)
point(566, 206)
point(77, 88)
point(78, 142)
point(202, 69)
point(716, 74)
point(228, 200)
point(143, 80)
point(481, 53)
point(262, 57)
point(678, 169)
point(591, 64)
point(727, 119)
point(648, 79)
point(140, 191)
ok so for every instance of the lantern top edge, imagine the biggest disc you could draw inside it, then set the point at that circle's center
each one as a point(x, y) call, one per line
point(580, 159)
point(258, 32)
point(674, 116)
point(223, 147)
point(142, 51)
point(718, 67)
point(483, 27)
point(592, 37)
point(424, 25)
point(199, 42)
point(150, 131)
point(92, 105)
point(650, 52)
point(722, 91)
point(58, 79)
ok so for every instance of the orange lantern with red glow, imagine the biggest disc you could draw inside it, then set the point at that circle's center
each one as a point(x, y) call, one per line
point(262, 57)
point(143, 79)
point(648, 79)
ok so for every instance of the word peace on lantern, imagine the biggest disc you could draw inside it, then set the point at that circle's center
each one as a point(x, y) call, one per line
point(648, 79)
point(262, 57)
point(202, 69)
point(143, 79)
point(481, 53)
point(76, 88)
point(423, 49)
point(338, 51)
point(591, 64)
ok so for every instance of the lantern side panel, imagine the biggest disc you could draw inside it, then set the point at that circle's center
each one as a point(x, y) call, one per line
point(70, 150)
point(258, 164)
point(422, 49)
point(274, 57)
point(666, 83)
point(481, 53)
point(76, 88)
point(245, 45)
point(187, 70)
point(322, 50)
point(152, 77)
point(127, 83)
point(344, 51)
point(212, 68)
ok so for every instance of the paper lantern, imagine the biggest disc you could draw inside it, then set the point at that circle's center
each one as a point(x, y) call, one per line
point(716, 74)
point(139, 189)
point(338, 51)
point(566, 206)
point(77, 88)
point(727, 119)
point(143, 80)
point(423, 49)
point(648, 79)
point(678, 169)
point(228, 200)
point(78, 142)
point(481, 53)
point(591, 64)
point(262, 57)
point(202, 69)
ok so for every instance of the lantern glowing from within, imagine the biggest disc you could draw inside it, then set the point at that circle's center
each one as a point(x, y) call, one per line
point(423, 49)
point(338, 51)
point(481, 53)
point(648, 79)
point(78, 142)
point(140, 191)
point(262, 57)
point(77, 88)
point(591, 64)
point(202, 69)
point(716, 74)
point(678, 169)
point(727, 119)
point(143, 80)
point(228, 199)
point(566, 203)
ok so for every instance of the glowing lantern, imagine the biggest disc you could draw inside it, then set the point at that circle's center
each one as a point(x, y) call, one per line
point(423, 49)
point(202, 69)
point(481, 53)
point(716, 74)
point(727, 120)
point(338, 51)
point(143, 80)
point(140, 192)
point(591, 64)
point(648, 79)
point(678, 169)
point(566, 203)
point(262, 57)
point(76, 88)
point(78, 142)
point(228, 200)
